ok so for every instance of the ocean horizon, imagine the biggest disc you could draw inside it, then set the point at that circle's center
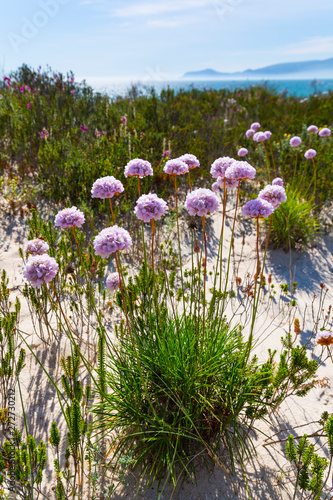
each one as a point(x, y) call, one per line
point(299, 88)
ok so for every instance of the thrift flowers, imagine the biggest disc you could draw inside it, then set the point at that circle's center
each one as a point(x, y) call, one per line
point(106, 187)
point(69, 217)
point(258, 209)
point(111, 240)
point(201, 202)
point(36, 247)
point(149, 206)
point(138, 168)
point(40, 269)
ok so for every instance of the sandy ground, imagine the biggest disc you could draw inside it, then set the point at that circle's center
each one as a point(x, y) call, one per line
point(270, 475)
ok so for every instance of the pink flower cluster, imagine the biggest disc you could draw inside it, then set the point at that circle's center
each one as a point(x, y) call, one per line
point(259, 137)
point(138, 168)
point(295, 141)
point(220, 166)
point(258, 209)
point(240, 170)
point(275, 195)
point(106, 187)
point(69, 217)
point(113, 281)
point(310, 153)
point(149, 206)
point(111, 240)
point(40, 269)
point(242, 152)
point(190, 160)
point(325, 132)
point(36, 247)
point(201, 202)
point(175, 167)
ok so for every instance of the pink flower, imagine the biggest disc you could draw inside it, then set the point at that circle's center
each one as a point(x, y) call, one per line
point(277, 182)
point(21, 89)
point(325, 132)
point(255, 126)
point(69, 217)
point(166, 153)
point(149, 206)
point(310, 153)
point(7, 80)
point(73, 92)
point(275, 195)
point(72, 79)
point(106, 187)
point(138, 168)
point(175, 167)
point(36, 247)
point(295, 141)
point(113, 281)
point(111, 240)
point(259, 137)
point(28, 105)
point(44, 133)
point(201, 202)
point(242, 152)
point(258, 209)
point(40, 269)
point(313, 128)
point(84, 128)
point(124, 120)
point(268, 134)
point(240, 170)
point(190, 160)
point(220, 165)
point(249, 132)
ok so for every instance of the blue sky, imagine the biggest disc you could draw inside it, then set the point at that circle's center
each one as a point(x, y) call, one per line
point(146, 39)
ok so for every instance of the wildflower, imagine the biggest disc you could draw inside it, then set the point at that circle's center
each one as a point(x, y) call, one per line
point(7, 80)
point(175, 167)
point(249, 132)
point(324, 337)
point(242, 152)
point(255, 125)
point(44, 133)
point(325, 132)
point(21, 89)
point(215, 186)
point(111, 240)
point(259, 137)
point(240, 170)
point(201, 202)
point(106, 187)
point(190, 160)
point(149, 206)
point(113, 281)
point(268, 134)
point(40, 269)
point(229, 183)
point(138, 168)
point(220, 165)
point(166, 153)
point(36, 247)
point(310, 153)
point(313, 128)
point(277, 182)
point(69, 217)
point(83, 128)
point(275, 195)
point(124, 120)
point(28, 105)
point(258, 209)
point(72, 79)
point(295, 141)
point(73, 92)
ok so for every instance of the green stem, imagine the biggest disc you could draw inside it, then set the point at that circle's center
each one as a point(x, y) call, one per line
point(112, 214)
point(267, 163)
point(179, 246)
point(205, 276)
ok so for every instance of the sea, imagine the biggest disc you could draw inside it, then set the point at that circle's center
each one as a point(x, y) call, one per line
point(298, 88)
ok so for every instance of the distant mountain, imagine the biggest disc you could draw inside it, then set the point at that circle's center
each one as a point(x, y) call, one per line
point(307, 69)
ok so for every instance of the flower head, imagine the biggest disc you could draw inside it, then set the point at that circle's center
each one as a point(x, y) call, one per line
point(40, 269)
point(277, 182)
point(69, 217)
point(84, 128)
point(275, 195)
point(138, 168)
point(242, 152)
point(240, 170)
point(113, 281)
point(111, 240)
point(175, 167)
point(44, 133)
point(310, 153)
point(324, 337)
point(201, 202)
point(268, 134)
point(124, 120)
point(249, 132)
point(313, 128)
point(325, 132)
point(259, 137)
point(220, 165)
point(255, 125)
point(258, 209)
point(295, 141)
point(190, 160)
point(106, 187)
point(149, 206)
point(36, 247)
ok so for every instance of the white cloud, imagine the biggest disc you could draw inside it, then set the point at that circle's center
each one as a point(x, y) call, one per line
point(315, 45)
point(146, 9)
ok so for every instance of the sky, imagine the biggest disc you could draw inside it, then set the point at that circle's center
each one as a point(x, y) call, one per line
point(159, 40)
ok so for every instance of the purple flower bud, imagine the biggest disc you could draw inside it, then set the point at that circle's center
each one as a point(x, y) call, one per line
point(113, 281)
point(277, 182)
point(313, 128)
point(325, 132)
point(242, 152)
point(310, 153)
point(255, 126)
point(249, 132)
point(295, 141)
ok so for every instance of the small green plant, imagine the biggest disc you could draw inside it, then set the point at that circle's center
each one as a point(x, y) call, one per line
point(293, 223)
